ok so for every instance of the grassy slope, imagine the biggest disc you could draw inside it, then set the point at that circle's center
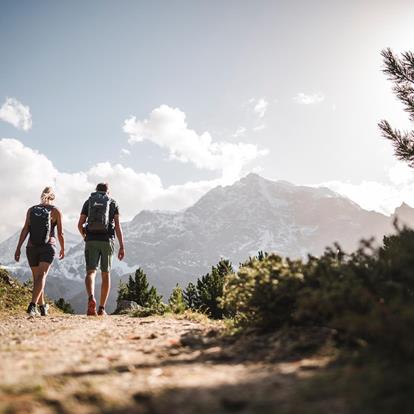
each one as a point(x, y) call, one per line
point(14, 296)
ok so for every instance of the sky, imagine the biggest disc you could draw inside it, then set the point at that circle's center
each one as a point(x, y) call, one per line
point(167, 99)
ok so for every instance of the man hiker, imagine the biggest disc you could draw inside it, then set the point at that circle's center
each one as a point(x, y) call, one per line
point(98, 224)
point(41, 221)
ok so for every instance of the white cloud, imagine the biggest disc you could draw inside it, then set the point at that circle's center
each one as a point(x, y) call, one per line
point(259, 128)
point(167, 128)
point(304, 99)
point(17, 114)
point(260, 107)
point(125, 151)
point(240, 132)
point(377, 196)
point(401, 174)
point(25, 172)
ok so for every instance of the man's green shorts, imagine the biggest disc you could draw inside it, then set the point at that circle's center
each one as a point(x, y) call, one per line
point(99, 251)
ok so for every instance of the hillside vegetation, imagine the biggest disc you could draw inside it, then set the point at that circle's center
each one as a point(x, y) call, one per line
point(355, 310)
point(365, 300)
point(15, 296)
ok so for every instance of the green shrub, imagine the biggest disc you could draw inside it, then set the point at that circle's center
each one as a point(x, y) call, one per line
point(137, 289)
point(155, 309)
point(366, 296)
point(263, 292)
point(190, 297)
point(14, 296)
point(176, 301)
point(64, 306)
point(207, 294)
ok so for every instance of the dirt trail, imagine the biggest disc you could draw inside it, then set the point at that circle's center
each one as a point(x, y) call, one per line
point(120, 364)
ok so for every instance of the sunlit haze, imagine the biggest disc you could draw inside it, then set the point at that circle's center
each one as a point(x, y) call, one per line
point(166, 100)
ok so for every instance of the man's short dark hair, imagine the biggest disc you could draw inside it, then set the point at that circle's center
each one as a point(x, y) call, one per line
point(102, 187)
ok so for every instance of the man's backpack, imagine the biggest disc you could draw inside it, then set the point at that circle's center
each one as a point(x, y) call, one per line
point(40, 225)
point(98, 213)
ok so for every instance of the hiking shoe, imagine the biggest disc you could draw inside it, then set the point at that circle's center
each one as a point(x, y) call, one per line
point(31, 310)
point(44, 309)
point(101, 311)
point(91, 307)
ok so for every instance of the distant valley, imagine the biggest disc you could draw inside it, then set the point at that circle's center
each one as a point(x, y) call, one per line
point(233, 222)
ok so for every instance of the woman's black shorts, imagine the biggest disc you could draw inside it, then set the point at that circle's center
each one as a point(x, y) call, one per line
point(37, 254)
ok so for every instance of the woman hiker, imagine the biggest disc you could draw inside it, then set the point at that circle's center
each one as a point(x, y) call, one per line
point(41, 222)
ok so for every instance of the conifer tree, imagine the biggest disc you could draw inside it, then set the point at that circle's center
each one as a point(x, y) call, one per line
point(66, 307)
point(153, 298)
point(400, 71)
point(123, 293)
point(176, 300)
point(191, 298)
point(210, 289)
point(137, 289)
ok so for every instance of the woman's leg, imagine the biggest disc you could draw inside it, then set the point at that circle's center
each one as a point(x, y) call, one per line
point(42, 298)
point(35, 271)
point(39, 282)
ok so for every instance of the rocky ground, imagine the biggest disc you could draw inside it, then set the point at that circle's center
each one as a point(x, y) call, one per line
point(121, 364)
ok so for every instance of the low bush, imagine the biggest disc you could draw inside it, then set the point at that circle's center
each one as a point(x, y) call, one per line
point(137, 289)
point(14, 296)
point(176, 301)
point(155, 309)
point(206, 295)
point(64, 306)
point(367, 296)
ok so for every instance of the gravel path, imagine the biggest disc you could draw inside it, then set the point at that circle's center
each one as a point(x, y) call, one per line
point(120, 364)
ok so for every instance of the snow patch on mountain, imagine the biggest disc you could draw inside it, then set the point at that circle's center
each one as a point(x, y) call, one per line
point(234, 222)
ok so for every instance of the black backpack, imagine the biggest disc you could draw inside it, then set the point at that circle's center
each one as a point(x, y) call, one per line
point(98, 213)
point(40, 225)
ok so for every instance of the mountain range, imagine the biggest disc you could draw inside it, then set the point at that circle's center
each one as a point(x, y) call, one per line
point(232, 222)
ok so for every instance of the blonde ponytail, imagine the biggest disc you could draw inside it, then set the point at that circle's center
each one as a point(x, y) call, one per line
point(47, 195)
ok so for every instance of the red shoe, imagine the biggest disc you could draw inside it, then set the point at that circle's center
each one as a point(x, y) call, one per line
point(101, 311)
point(91, 307)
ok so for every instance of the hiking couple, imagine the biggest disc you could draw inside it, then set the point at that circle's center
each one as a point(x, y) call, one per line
point(98, 224)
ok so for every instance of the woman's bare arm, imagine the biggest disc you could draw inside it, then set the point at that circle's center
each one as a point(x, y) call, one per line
point(60, 234)
point(23, 235)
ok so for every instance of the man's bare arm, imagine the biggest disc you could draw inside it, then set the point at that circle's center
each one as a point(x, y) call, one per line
point(120, 237)
point(23, 235)
point(81, 228)
point(61, 236)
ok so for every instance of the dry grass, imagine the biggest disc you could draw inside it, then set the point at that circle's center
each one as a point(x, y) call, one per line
point(15, 296)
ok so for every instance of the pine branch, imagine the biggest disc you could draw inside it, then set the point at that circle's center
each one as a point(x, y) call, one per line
point(405, 93)
point(398, 70)
point(408, 59)
point(403, 142)
point(401, 72)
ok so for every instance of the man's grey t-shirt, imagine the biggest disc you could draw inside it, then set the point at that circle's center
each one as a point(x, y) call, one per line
point(113, 211)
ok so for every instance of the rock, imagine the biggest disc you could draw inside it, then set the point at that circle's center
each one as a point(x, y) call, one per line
point(125, 306)
point(6, 278)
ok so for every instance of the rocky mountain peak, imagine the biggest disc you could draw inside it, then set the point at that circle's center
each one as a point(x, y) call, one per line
point(234, 222)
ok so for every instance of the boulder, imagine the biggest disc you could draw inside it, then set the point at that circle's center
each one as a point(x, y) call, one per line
point(125, 306)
